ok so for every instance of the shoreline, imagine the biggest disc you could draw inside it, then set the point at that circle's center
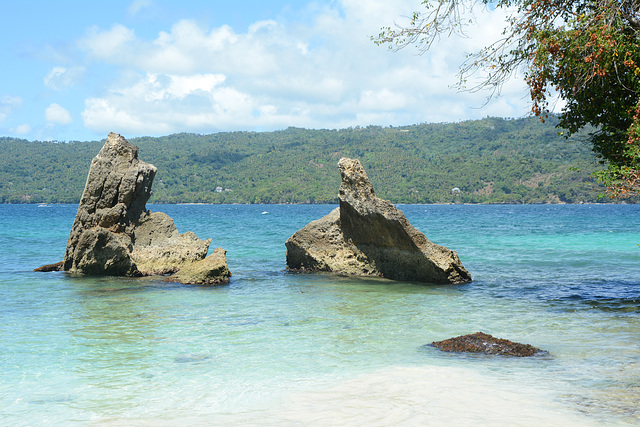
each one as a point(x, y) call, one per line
point(394, 395)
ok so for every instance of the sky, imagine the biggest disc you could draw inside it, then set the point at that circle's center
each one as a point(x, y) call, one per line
point(77, 70)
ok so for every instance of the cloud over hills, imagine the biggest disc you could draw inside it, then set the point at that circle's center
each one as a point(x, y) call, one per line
point(310, 66)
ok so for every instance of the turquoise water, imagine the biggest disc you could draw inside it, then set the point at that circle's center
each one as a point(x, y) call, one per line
point(274, 348)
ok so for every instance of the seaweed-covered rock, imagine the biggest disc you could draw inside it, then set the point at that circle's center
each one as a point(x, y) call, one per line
point(486, 344)
point(368, 236)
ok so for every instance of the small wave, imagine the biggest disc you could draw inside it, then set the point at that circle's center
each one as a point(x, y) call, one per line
point(45, 400)
point(605, 295)
point(619, 305)
point(612, 296)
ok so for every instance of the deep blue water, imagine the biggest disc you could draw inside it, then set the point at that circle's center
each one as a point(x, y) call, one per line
point(121, 351)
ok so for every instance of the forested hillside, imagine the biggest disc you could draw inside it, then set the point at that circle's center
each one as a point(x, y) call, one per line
point(490, 161)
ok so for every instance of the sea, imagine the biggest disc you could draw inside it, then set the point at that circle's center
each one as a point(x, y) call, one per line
point(275, 348)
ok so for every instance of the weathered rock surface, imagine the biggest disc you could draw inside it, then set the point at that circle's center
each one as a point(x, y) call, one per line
point(159, 248)
point(212, 270)
point(486, 344)
point(368, 236)
point(113, 232)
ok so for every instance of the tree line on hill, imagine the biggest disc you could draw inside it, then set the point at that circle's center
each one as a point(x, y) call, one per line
point(492, 160)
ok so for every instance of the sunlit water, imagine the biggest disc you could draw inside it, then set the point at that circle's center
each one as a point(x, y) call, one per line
point(275, 348)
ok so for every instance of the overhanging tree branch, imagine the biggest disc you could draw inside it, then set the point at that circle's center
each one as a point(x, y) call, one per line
point(587, 51)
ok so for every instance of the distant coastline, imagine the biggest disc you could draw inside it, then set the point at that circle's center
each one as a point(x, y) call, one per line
point(488, 161)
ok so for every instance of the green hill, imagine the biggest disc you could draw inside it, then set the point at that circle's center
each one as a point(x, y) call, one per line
point(490, 161)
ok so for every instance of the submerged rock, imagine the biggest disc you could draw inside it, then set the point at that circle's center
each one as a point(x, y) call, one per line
point(50, 267)
point(368, 236)
point(192, 358)
point(486, 344)
point(113, 232)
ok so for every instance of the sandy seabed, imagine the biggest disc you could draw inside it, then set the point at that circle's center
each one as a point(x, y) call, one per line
point(401, 396)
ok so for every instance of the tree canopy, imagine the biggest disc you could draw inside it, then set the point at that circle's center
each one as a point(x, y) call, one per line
point(491, 160)
point(587, 51)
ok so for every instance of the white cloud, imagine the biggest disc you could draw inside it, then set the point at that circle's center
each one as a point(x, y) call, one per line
point(160, 104)
point(104, 45)
point(8, 104)
point(56, 114)
point(60, 77)
point(138, 5)
point(21, 129)
point(320, 71)
point(382, 100)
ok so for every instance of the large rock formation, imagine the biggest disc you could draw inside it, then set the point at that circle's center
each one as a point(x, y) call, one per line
point(368, 236)
point(113, 232)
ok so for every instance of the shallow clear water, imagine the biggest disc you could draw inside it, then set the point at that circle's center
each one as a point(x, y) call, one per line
point(275, 348)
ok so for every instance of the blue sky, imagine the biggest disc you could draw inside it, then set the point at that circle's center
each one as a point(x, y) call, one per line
point(76, 70)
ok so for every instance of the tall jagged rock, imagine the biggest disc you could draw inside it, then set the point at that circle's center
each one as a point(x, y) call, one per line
point(113, 232)
point(368, 236)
